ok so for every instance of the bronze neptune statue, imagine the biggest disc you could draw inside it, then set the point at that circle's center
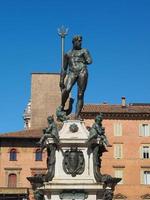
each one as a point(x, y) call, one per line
point(75, 67)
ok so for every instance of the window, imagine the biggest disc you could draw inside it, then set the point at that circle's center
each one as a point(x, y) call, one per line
point(38, 155)
point(145, 151)
point(13, 155)
point(119, 174)
point(12, 180)
point(144, 130)
point(118, 129)
point(12, 175)
point(146, 176)
point(117, 151)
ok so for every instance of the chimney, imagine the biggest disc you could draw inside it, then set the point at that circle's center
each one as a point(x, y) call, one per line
point(123, 101)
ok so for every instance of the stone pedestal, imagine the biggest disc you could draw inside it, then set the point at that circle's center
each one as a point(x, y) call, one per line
point(69, 140)
point(73, 177)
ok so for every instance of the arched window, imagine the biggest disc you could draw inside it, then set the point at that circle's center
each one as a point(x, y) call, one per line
point(38, 155)
point(12, 180)
point(13, 154)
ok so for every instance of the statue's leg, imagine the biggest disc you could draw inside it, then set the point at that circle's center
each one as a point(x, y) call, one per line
point(51, 159)
point(66, 91)
point(82, 83)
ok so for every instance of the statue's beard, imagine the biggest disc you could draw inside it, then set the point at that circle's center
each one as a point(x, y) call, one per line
point(77, 47)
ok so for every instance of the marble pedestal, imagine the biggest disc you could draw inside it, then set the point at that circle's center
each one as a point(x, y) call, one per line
point(63, 185)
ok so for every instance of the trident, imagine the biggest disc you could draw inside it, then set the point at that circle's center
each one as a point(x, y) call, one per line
point(62, 32)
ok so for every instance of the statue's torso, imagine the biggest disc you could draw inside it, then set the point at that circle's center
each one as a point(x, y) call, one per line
point(76, 60)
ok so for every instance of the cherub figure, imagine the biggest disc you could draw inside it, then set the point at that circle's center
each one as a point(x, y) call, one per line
point(98, 130)
point(50, 132)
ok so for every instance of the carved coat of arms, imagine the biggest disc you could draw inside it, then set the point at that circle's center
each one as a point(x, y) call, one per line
point(73, 162)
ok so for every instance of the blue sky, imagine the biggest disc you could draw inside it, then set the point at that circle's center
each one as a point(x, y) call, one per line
point(117, 34)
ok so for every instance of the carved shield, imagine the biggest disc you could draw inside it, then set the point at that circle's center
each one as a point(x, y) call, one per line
point(73, 162)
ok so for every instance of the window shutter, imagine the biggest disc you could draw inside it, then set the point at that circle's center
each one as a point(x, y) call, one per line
point(120, 129)
point(117, 129)
point(146, 131)
point(149, 130)
point(118, 151)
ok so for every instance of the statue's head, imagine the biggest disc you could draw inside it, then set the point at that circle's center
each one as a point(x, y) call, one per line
point(77, 41)
point(50, 119)
point(99, 118)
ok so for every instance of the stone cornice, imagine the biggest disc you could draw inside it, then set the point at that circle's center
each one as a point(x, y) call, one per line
point(126, 116)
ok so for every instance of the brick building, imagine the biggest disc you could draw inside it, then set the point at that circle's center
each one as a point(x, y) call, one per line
point(128, 130)
point(19, 157)
point(127, 127)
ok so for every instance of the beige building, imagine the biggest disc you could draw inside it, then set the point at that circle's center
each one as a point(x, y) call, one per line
point(127, 127)
point(128, 130)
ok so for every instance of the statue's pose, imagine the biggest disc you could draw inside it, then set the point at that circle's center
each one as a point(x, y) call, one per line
point(98, 130)
point(50, 132)
point(75, 63)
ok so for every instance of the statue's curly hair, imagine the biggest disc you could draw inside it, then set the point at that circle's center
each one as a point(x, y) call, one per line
point(76, 37)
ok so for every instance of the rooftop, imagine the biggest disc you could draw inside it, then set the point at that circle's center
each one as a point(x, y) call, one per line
point(29, 133)
point(134, 110)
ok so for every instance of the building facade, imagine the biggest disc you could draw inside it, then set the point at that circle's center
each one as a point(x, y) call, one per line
point(128, 130)
point(20, 157)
